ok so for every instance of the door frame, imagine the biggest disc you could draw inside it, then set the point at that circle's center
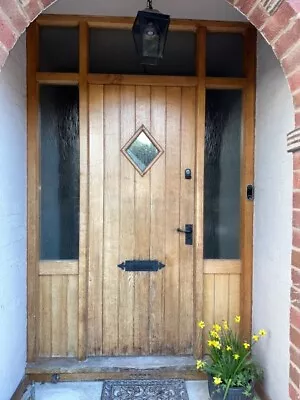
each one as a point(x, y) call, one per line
point(35, 267)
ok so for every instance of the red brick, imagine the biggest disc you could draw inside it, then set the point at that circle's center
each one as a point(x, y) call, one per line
point(296, 100)
point(292, 392)
point(295, 4)
point(295, 317)
point(297, 120)
point(295, 297)
point(278, 21)
point(258, 16)
point(32, 9)
point(245, 6)
point(292, 61)
point(296, 258)
point(296, 219)
point(296, 199)
point(296, 160)
point(295, 356)
point(296, 179)
point(294, 81)
point(296, 279)
point(47, 3)
point(287, 40)
point(296, 238)
point(7, 36)
point(295, 337)
point(294, 375)
point(12, 11)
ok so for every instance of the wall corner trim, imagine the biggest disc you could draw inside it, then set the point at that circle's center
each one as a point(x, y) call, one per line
point(293, 141)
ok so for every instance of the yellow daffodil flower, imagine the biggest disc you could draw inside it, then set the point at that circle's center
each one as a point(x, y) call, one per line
point(214, 334)
point(201, 324)
point(237, 319)
point(225, 325)
point(210, 343)
point(236, 356)
point(228, 348)
point(217, 327)
point(246, 345)
point(217, 344)
point(200, 364)
point(217, 380)
point(255, 338)
point(262, 332)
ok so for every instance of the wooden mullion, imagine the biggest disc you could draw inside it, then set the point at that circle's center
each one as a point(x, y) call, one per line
point(33, 179)
point(247, 171)
point(83, 239)
point(142, 80)
point(199, 185)
point(57, 78)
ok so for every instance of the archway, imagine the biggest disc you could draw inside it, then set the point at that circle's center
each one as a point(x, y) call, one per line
point(277, 21)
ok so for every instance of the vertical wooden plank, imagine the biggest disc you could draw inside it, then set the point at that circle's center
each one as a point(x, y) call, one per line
point(83, 219)
point(247, 172)
point(172, 314)
point(234, 299)
point(208, 306)
point(127, 231)
point(112, 221)
point(72, 315)
point(221, 297)
point(96, 224)
point(142, 233)
point(45, 321)
point(59, 316)
point(199, 188)
point(32, 194)
point(158, 222)
point(187, 210)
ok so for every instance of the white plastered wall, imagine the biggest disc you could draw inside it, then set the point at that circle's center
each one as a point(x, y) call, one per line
point(272, 221)
point(13, 221)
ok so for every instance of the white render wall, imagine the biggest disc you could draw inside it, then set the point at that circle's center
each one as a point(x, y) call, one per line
point(273, 221)
point(13, 221)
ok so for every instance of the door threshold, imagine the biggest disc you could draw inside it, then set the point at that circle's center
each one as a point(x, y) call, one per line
point(101, 368)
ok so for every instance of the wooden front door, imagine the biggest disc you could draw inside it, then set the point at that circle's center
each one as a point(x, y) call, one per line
point(134, 216)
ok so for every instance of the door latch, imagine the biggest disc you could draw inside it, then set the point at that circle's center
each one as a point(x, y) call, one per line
point(250, 192)
point(188, 230)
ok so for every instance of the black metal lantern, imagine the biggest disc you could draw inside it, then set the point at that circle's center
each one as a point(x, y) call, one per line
point(150, 30)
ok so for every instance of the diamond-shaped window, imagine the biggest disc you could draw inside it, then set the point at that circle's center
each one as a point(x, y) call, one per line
point(142, 150)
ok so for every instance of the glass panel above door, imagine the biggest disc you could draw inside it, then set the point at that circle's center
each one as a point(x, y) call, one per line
point(225, 55)
point(222, 172)
point(112, 51)
point(59, 173)
point(58, 49)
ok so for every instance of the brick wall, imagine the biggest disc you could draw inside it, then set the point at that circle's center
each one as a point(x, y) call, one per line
point(279, 22)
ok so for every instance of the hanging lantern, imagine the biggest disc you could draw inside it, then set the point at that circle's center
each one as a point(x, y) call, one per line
point(150, 31)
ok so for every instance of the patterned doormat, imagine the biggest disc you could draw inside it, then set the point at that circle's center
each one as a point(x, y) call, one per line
point(171, 389)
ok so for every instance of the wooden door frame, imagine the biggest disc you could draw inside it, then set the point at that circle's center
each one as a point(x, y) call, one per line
point(80, 268)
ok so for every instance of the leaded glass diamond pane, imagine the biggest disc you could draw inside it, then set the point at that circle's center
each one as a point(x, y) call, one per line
point(142, 150)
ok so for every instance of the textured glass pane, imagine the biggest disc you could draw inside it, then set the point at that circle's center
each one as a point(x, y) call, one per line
point(142, 151)
point(222, 174)
point(225, 54)
point(113, 51)
point(59, 173)
point(59, 49)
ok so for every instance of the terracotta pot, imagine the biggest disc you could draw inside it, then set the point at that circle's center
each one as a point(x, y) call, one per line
point(217, 393)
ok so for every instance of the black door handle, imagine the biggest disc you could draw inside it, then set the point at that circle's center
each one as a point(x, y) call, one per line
point(188, 233)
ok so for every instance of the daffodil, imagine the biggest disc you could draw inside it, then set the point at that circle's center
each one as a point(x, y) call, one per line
point(262, 332)
point(217, 327)
point(214, 334)
point(210, 343)
point(217, 344)
point(217, 381)
point(237, 319)
point(255, 338)
point(225, 325)
point(236, 356)
point(246, 345)
point(228, 348)
point(201, 324)
point(200, 364)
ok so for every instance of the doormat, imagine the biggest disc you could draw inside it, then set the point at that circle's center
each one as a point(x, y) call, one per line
point(171, 389)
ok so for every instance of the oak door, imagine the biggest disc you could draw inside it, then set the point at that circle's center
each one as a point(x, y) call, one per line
point(135, 208)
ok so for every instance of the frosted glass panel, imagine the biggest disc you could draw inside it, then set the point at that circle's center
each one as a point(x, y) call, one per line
point(222, 174)
point(59, 173)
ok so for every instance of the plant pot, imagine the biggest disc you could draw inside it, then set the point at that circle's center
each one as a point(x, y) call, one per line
point(234, 393)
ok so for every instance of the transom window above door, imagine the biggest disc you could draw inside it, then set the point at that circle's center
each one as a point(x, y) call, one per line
point(142, 150)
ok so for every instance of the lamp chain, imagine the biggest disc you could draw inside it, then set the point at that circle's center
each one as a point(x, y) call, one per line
point(149, 4)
